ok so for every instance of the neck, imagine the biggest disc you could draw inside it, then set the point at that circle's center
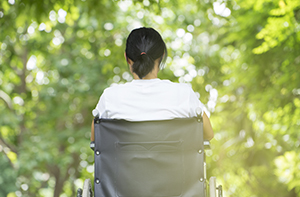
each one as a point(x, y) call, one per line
point(150, 75)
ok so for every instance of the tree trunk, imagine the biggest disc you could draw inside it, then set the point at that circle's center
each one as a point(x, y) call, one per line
point(59, 182)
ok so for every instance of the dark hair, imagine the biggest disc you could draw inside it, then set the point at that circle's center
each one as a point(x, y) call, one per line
point(143, 46)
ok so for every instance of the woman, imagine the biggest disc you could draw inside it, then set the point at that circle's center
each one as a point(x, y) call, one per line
point(147, 97)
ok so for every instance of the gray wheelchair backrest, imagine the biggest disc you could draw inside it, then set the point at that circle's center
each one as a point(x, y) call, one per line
point(149, 159)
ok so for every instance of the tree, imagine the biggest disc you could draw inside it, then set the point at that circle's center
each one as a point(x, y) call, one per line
point(262, 93)
point(240, 56)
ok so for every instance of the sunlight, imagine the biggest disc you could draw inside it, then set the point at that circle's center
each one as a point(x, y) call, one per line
point(62, 15)
point(221, 9)
point(31, 63)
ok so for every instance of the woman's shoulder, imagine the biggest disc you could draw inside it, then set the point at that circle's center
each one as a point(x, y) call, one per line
point(182, 86)
point(114, 88)
point(168, 82)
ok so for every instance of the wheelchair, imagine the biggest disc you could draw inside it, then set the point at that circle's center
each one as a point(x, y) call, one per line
point(163, 158)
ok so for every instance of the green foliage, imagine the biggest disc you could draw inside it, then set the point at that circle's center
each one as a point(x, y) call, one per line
point(56, 58)
point(280, 27)
point(7, 176)
point(288, 168)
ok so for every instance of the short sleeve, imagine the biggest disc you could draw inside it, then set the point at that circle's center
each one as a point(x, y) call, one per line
point(101, 106)
point(196, 103)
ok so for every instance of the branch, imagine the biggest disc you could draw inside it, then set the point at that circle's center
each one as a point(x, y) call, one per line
point(11, 147)
point(6, 99)
point(10, 163)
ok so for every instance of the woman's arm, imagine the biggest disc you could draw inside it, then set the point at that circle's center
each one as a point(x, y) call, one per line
point(207, 129)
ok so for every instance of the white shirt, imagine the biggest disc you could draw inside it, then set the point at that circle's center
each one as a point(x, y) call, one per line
point(152, 99)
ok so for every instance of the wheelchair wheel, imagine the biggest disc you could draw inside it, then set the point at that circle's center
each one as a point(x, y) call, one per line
point(212, 187)
point(87, 188)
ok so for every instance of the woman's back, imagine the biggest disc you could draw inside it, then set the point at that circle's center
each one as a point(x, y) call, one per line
point(152, 99)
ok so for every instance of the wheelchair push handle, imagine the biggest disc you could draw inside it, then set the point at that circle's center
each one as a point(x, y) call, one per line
point(92, 145)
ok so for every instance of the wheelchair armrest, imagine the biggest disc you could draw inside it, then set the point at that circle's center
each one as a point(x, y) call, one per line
point(206, 145)
point(92, 145)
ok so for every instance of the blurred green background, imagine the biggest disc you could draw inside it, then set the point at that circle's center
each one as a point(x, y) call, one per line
point(242, 57)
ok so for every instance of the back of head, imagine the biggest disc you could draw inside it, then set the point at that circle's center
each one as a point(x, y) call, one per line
point(143, 47)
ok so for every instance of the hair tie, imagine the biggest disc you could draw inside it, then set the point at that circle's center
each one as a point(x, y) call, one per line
point(143, 53)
